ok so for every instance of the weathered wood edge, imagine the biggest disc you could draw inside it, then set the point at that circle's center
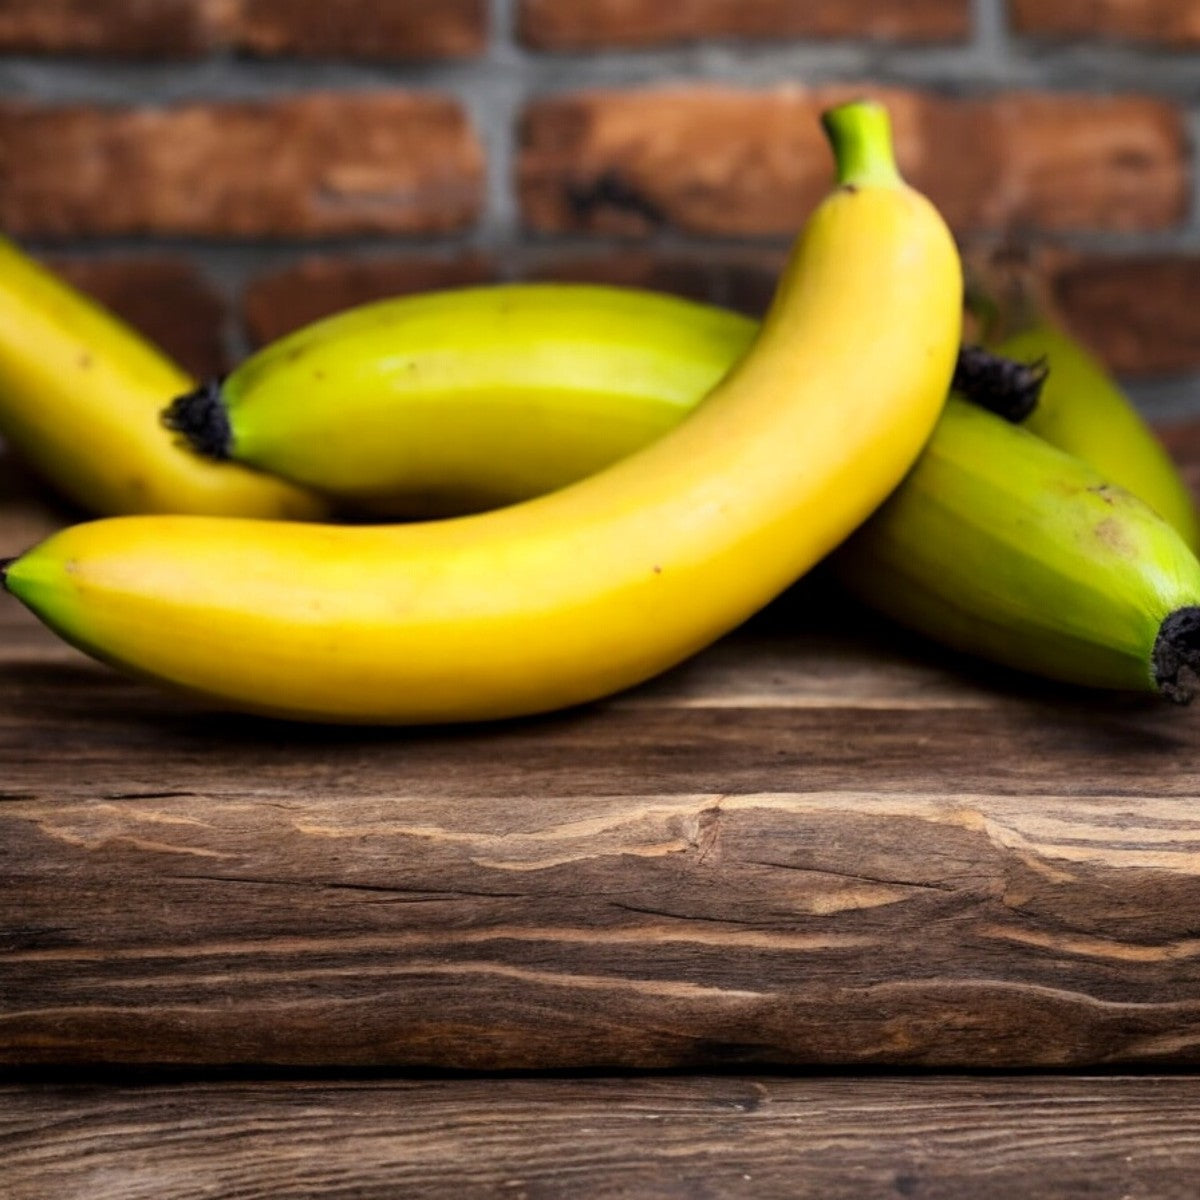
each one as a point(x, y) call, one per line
point(662, 1138)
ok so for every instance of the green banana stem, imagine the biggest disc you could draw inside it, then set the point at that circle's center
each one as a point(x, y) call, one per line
point(860, 134)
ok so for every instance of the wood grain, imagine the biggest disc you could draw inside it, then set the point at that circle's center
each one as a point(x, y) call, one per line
point(654, 1139)
point(816, 843)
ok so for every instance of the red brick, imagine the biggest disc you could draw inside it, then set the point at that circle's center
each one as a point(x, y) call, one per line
point(1142, 315)
point(726, 161)
point(1139, 313)
point(743, 280)
point(1182, 440)
point(124, 28)
point(368, 29)
point(284, 300)
point(1171, 22)
point(167, 299)
point(750, 285)
point(593, 24)
point(320, 164)
point(692, 277)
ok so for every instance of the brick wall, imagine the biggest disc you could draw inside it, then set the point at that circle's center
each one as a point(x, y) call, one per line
point(222, 170)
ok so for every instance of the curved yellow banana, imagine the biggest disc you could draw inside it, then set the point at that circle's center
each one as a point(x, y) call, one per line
point(80, 397)
point(1081, 408)
point(464, 400)
point(590, 589)
point(1003, 546)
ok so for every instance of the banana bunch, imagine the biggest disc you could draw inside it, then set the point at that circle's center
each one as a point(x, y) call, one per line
point(665, 468)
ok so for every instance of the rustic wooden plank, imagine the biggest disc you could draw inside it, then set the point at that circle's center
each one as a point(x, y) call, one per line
point(1014, 883)
point(651, 1138)
point(666, 930)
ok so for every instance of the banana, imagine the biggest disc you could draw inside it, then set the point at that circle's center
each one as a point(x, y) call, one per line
point(80, 396)
point(1081, 408)
point(1005, 547)
point(464, 400)
point(592, 588)
point(1083, 411)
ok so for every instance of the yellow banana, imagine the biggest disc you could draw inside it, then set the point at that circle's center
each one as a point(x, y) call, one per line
point(1081, 408)
point(80, 397)
point(589, 589)
point(465, 400)
point(1003, 546)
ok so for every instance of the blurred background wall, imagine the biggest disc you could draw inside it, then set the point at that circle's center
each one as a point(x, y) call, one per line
point(223, 170)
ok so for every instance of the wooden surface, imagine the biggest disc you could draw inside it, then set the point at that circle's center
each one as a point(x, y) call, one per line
point(640, 1139)
point(818, 843)
point(813, 845)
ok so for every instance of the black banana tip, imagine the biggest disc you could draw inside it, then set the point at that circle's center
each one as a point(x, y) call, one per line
point(203, 421)
point(5, 563)
point(1004, 386)
point(1176, 655)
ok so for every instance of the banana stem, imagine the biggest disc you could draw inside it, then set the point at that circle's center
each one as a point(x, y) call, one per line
point(1176, 656)
point(1004, 386)
point(860, 134)
point(203, 421)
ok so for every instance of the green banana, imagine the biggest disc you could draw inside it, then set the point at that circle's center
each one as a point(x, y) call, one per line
point(1005, 547)
point(1083, 411)
point(1081, 408)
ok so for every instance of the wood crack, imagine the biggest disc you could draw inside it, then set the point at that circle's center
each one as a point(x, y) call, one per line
point(855, 877)
point(674, 916)
point(149, 795)
point(414, 894)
